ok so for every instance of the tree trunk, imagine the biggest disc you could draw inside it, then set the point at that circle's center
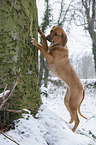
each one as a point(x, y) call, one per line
point(43, 73)
point(90, 12)
point(19, 22)
point(94, 53)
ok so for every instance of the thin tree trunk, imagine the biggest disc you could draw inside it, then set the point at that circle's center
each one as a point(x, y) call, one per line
point(94, 53)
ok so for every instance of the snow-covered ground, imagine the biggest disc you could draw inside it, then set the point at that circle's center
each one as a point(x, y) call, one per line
point(51, 126)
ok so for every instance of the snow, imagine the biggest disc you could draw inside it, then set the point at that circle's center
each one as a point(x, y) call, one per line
point(4, 93)
point(51, 126)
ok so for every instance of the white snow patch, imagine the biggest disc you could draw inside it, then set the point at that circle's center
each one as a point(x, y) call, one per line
point(4, 93)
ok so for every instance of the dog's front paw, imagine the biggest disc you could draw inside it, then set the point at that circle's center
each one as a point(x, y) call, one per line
point(34, 42)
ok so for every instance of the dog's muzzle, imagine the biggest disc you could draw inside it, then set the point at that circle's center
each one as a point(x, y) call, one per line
point(48, 38)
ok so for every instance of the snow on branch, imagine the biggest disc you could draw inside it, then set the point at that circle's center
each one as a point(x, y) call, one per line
point(2, 95)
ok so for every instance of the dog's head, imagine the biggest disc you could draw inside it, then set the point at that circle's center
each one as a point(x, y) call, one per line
point(57, 36)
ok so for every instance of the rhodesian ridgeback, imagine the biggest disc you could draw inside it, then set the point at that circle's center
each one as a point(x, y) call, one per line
point(57, 58)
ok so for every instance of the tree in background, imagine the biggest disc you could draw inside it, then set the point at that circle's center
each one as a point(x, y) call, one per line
point(46, 23)
point(19, 22)
point(84, 65)
point(90, 22)
point(66, 14)
point(86, 17)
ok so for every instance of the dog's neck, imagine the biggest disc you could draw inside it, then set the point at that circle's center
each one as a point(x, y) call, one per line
point(54, 45)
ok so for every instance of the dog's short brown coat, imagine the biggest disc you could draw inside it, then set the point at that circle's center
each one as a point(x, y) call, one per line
point(57, 57)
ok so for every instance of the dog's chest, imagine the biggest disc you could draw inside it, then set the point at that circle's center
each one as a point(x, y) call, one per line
point(61, 56)
point(52, 67)
point(57, 54)
point(57, 67)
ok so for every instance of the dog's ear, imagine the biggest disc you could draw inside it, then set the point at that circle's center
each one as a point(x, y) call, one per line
point(64, 39)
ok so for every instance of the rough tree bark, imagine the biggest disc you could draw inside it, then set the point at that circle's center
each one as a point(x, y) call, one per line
point(19, 22)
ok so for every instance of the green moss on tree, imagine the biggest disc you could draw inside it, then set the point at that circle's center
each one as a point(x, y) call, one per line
point(19, 22)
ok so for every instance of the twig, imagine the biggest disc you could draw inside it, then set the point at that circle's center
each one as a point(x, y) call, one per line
point(4, 92)
point(89, 119)
point(9, 138)
point(15, 111)
point(11, 90)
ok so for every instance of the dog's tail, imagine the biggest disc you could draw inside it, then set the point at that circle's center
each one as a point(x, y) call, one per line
point(80, 105)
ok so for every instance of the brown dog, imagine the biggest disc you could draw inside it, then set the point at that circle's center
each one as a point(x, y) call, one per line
point(58, 62)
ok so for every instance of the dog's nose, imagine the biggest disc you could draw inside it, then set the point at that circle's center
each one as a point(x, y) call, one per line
point(48, 38)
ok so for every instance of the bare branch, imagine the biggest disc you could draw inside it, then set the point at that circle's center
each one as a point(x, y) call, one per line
point(11, 90)
point(81, 24)
point(10, 138)
point(62, 5)
point(15, 111)
point(65, 14)
point(4, 92)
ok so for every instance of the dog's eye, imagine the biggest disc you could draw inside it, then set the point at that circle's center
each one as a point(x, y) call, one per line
point(55, 34)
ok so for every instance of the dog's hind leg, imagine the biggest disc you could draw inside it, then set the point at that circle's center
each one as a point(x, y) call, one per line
point(66, 102)
point(75, 116)
point(74, 109)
